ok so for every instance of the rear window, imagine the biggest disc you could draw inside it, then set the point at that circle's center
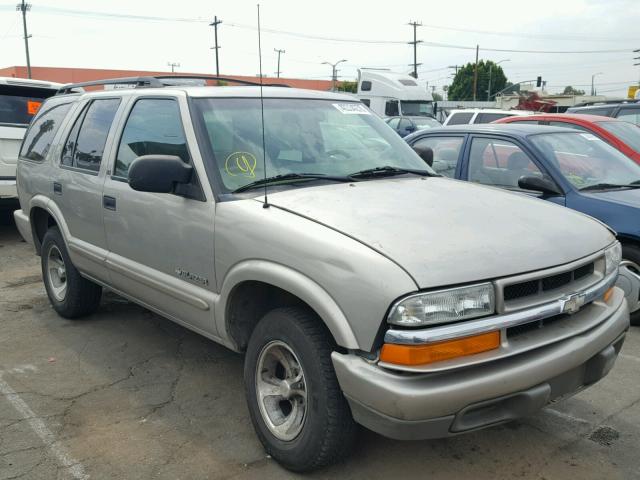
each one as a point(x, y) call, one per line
point(604, 111)
point(18, 105)
point(460, 118)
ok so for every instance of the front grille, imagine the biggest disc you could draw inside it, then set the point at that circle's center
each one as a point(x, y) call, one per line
point(513, 332)
point(529, 288)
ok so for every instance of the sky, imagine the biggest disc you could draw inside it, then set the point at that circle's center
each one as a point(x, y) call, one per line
point(147, 35)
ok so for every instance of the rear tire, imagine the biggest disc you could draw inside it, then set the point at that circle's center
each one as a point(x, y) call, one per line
point(631, 253)
point(297, 407)
point(70, 294)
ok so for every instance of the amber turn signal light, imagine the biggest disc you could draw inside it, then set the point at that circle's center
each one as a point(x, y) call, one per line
point(607, 295)
point(414, 355)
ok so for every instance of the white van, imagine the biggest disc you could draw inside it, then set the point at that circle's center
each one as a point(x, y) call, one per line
point(391, 94)
point(481, 115)
point(20, 100)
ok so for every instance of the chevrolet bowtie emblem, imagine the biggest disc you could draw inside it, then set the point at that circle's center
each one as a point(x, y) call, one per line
point(573, 303)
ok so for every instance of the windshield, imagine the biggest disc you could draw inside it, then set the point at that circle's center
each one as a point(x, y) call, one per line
point(586, 161)
point(301, 136)
point(416, 107)
point(426, 122)
point(627, 132)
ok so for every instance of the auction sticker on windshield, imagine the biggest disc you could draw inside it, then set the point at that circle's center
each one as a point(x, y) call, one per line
point(352, 108)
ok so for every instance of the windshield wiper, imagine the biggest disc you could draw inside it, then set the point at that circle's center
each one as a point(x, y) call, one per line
point(388, 170)
point(605, 186)
point(292, 176)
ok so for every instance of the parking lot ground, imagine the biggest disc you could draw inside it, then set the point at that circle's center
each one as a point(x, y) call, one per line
point(126, 394)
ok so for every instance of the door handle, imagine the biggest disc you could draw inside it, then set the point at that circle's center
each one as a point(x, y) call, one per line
point(57, 188)
point(109, 202)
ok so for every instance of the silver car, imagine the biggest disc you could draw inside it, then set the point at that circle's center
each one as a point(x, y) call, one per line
point(362, 287)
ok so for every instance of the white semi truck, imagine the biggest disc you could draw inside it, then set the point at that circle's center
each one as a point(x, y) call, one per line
point(390, 94)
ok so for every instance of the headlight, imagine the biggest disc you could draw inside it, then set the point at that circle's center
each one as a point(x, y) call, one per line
point(444, 306)
point(612, 257)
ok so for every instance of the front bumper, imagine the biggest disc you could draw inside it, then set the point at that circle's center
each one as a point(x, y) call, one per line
point(439, 404)
point(8, 188)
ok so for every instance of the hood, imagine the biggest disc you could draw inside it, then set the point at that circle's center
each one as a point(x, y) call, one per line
point(629, 197)
point(446, 232)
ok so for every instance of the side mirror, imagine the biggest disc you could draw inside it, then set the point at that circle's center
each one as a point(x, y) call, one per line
point(425, 154)
point(410, 128)
point(158, 173)
point(538, 184)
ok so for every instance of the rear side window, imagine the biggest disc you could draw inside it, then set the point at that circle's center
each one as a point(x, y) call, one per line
point(85, 145)
point(446, 152)
point(393, 123)
point(37, 141)
point(490, 117)
point(365, 86)
point(366, 101)
point(153, 127)
point(462, 118)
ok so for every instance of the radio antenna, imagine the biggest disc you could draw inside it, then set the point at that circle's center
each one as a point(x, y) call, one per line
point(264, 149)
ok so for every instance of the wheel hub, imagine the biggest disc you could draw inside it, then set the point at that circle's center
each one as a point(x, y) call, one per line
point(56, 274)
point(629, 282)
point(281, 390)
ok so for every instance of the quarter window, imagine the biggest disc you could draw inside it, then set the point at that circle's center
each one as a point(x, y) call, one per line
point(446, 152)
point(631, 115)
point(393, 123)
point(85, 144)
point(38, 139)
point(499, 162)
point(575, 126)
point(153, 128)
point(490, 117)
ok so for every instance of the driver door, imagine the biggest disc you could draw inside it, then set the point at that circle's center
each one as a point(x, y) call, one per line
point(160, 245)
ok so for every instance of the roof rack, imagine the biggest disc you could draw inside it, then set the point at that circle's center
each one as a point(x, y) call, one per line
point(156, 81)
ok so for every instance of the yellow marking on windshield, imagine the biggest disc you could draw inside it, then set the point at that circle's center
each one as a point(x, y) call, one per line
point(241, 163)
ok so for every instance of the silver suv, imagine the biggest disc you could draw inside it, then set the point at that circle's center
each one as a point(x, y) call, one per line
point(362, 288)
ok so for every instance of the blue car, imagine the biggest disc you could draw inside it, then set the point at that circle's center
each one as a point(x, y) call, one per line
point(565, 166)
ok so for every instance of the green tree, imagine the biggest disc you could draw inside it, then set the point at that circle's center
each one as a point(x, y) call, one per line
point(462, 86)
point(569, 90)
point(346, 86)
point(436, 97)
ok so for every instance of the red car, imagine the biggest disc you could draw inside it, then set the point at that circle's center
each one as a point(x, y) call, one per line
point(622, 135)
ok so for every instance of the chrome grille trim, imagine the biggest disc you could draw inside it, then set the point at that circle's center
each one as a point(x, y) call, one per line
point(543, 296)
point(499, 322)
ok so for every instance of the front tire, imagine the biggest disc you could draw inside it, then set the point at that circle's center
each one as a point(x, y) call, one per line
point(297, 408)
point(70, 294)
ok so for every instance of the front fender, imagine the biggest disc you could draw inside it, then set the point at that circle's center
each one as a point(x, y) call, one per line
point(293, 282)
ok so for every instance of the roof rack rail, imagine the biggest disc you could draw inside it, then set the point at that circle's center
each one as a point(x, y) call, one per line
point(605, 102)
point(156, 81)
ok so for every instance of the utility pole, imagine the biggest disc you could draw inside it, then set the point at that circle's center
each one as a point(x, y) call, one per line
point(637, 64)
point(490, 71)
point(415, 43)
point(593, 87)
point(24, 8)
point(334, 73)
point(279, 53)
point(215, 24)
point(475, 75)
point(455, 67)
point(173, 65)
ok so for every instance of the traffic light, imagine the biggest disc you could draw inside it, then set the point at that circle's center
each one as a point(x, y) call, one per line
point(539, 82)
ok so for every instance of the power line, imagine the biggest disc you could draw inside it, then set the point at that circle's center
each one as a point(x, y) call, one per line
point(121, 16)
